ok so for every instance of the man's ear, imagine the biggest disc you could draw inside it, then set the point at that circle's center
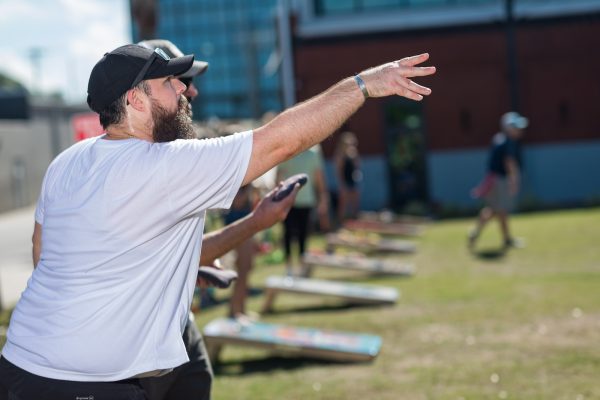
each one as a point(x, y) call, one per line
point(135, 99)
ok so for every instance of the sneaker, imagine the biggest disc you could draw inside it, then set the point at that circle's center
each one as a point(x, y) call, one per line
point(515, 243)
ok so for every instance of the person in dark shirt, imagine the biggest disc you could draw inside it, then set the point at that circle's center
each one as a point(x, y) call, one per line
point(501, 184)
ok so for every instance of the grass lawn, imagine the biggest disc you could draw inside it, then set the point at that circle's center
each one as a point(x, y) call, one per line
point(525, 325)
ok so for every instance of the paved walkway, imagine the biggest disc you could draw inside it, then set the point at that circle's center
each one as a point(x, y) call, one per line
point(16, 228)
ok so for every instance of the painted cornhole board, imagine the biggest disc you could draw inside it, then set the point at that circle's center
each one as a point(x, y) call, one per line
point(307, 342)
point(371, 265)
point(383, 228)
point(370, 244)
point(351, 292)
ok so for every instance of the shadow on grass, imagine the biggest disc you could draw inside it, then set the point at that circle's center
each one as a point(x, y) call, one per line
point(268, 364)
point(490, 254)
point(208, 300)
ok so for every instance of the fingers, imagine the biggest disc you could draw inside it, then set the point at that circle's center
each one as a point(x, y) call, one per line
point(414, 60)
point(411, 90)
point(419, 71)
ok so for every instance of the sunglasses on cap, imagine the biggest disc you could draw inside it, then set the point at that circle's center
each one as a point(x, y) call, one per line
point(158, 53)
point(186, 81)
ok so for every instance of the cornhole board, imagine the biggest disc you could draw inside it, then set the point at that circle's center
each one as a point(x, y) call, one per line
point(371, 265)
point(387, 217)
point(370, 244)
point(289, 340)
point(348, 291)
point(383, 228)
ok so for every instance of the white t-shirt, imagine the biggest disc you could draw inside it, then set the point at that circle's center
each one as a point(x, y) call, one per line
point(122, 226)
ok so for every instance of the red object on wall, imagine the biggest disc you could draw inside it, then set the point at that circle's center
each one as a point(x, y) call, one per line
point(86, 125)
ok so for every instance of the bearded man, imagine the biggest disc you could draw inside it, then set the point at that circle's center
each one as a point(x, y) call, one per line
point(120, 217)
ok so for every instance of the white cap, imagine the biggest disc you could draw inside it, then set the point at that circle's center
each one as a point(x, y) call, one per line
point(514, 119)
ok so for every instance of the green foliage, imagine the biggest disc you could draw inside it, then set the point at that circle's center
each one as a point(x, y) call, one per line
point(6, 82)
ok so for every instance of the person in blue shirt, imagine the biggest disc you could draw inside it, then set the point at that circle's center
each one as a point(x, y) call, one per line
point(501, 184)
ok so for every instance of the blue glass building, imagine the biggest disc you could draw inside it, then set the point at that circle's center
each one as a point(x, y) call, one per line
point(238, 39)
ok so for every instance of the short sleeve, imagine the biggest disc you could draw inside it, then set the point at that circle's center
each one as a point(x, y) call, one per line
point(41, 203)
point(207, 173)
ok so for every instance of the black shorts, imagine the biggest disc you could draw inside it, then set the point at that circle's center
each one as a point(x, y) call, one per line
point(18, 384)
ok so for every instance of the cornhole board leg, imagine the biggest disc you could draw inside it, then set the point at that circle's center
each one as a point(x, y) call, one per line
point(270, 298)
point(213, 348)
point(308, 342)
point(351, 292)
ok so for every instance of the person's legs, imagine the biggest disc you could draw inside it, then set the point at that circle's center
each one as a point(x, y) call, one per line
point(192, 380)
point(503, 219)
point(303, 229)
point(342, 204)
point(244, 263)
point(289, 227)
point(485, 215)
point(353, 202)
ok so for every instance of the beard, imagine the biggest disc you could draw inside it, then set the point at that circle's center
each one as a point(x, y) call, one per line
point(172, 125)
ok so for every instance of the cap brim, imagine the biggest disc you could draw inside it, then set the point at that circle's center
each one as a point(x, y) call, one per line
point(175, 67)
point(197, 68)
point(522, 123)
point(179, 65)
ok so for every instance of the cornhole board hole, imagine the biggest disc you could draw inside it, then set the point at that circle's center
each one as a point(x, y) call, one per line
point(370, 244)
point(289, 340)
point(351, 292)
point(371, 265)
point(383, 228)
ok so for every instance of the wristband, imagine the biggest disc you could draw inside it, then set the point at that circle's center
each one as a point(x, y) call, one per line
point(362, 86)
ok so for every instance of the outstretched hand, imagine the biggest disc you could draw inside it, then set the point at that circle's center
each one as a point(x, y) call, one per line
point(268, 212)
point(394, 78)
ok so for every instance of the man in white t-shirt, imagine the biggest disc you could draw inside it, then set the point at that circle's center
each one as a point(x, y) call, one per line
point(120, 217)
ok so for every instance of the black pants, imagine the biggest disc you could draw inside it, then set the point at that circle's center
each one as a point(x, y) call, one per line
point(296, 227)
point(191, 380)
point(18, 384)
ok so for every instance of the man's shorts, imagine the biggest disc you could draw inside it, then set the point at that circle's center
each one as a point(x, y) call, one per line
point(499, 198)
point(18, 384)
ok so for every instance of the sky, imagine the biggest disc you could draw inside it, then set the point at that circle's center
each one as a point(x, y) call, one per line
point(70, 36)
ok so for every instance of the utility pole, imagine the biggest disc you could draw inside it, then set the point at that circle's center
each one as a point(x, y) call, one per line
point(35, 57)
point(513, 75)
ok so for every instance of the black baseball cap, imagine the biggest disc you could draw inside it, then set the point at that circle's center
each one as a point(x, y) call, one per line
point(125, 67)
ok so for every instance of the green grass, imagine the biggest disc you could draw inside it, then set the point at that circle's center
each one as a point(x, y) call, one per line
point(522, 326)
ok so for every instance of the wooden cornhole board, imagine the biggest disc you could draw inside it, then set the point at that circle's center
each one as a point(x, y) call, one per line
point(289, 340)
point(351, 292)
point(370, 244)
point(360, 263)
point(383, 228)
point(387, 216)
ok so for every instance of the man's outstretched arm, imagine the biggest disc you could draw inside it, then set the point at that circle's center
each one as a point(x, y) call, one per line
point(310, 122)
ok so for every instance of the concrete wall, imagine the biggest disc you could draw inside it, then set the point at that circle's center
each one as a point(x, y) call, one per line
point(26, 150)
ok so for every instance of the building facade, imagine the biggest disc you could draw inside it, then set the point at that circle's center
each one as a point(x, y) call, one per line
point(537, 56)
point(238, 40)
